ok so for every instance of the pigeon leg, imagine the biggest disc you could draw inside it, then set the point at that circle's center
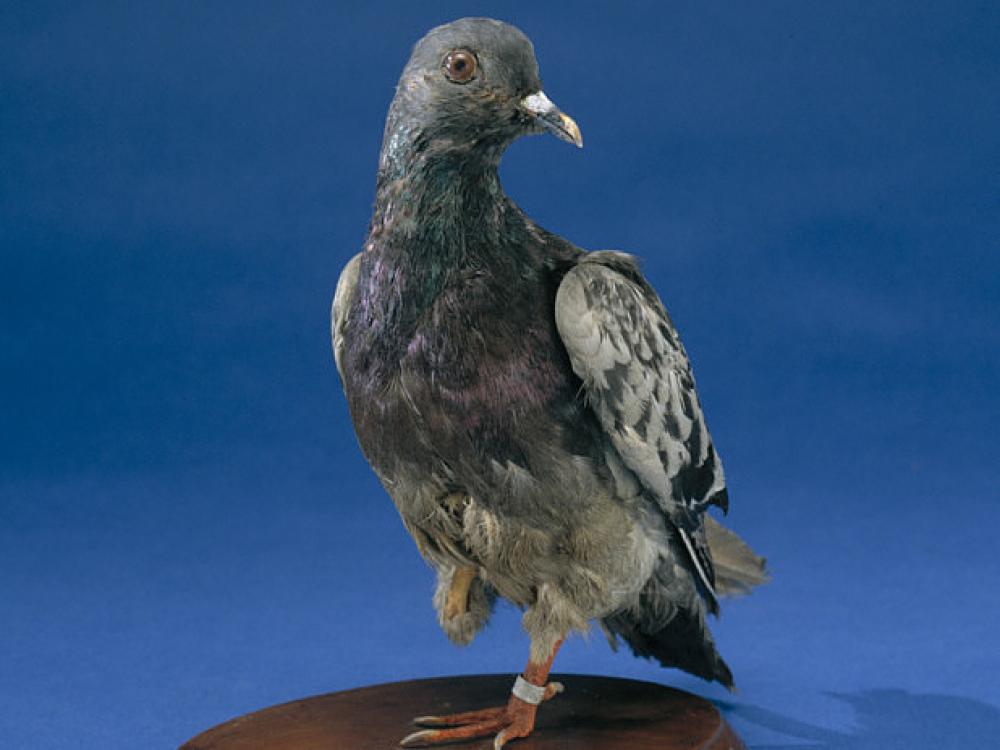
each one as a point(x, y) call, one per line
point(457, 601)
point(516, 719)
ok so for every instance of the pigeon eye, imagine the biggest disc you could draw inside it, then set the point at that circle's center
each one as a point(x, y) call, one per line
point(460, 66)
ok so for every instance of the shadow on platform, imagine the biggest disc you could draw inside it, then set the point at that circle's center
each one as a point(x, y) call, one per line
point(888, 719)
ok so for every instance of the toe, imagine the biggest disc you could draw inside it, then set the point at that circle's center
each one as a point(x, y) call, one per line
point(461, 719)
point(504, 736)
point(428, 737)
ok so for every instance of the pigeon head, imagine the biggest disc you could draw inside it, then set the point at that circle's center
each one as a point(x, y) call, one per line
point(469, 89)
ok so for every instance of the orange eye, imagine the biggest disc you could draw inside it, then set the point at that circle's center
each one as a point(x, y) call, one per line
point(460, 66)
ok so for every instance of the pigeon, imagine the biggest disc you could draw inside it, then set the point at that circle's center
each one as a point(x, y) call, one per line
point(527, 405)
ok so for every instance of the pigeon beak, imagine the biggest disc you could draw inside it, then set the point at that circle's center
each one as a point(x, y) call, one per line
point(549, 116)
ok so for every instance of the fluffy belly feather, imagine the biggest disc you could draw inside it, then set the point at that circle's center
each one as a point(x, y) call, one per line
point(565, 537)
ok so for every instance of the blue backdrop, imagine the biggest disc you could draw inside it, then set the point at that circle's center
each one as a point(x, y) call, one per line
point(187, 528)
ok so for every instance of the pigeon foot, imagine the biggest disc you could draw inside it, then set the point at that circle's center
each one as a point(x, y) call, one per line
point(516, 719)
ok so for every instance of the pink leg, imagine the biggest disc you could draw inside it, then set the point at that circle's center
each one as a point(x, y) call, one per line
point(516, 719)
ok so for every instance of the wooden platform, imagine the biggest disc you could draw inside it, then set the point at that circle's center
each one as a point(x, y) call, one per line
point(595, 713)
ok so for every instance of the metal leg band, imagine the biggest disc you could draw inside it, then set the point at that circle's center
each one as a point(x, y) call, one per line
point(533, 694)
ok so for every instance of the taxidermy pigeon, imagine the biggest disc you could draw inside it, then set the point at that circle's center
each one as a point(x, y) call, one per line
point(527, 405)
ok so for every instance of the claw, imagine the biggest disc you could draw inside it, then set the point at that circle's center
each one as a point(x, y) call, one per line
point(429, 721)
point(417, 739)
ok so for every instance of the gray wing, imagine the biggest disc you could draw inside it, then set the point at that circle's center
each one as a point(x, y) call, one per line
point(637, 380)
point(341, 305)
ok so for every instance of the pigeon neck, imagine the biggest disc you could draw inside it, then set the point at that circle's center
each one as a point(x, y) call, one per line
point(435, 216)
point(438, 195)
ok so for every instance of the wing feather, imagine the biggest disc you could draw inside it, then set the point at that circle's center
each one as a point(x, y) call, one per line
point(637, 379)
point(341, 306)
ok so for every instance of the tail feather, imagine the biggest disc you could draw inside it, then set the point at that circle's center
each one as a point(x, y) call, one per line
point(684, 643)
point(667, 624)
point(737, 568)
